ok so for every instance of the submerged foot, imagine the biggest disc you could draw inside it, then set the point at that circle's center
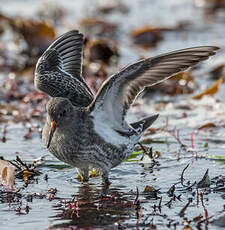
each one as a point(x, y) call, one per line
point(84, 178)
point(80, 178)
point(82, 175)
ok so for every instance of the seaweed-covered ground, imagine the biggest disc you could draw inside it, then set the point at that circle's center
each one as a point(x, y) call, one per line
point(180, 182)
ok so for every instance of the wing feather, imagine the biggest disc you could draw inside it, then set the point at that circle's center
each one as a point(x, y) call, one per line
point(69, 47)
point(119, 91)
point(58, 71)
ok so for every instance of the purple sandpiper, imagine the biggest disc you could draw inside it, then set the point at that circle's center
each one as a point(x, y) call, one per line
point(90, 132)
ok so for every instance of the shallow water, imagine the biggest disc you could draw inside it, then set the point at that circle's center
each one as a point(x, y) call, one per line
point(114, 208)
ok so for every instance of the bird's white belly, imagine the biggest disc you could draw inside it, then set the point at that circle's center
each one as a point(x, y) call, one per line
point(111, 136)
point(105, 131)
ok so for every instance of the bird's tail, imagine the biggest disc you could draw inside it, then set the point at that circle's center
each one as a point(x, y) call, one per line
point(144, 123)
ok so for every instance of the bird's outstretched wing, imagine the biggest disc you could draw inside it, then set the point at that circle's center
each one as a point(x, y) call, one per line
point(70, 47)
point(118, 92)
point(58, 70)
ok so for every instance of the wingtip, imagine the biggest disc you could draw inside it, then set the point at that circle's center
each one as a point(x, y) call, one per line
point(65, 38)
point(216, 47)
point(75, 32)
point(155, 117)
point(210, 47)
point(149, 121)
point(70, 33)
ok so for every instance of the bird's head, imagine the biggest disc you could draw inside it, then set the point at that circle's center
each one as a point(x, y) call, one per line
point(59, 113)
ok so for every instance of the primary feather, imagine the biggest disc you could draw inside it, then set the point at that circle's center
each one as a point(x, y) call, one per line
point(117, 93)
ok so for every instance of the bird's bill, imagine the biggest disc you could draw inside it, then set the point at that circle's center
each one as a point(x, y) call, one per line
point(52, 130)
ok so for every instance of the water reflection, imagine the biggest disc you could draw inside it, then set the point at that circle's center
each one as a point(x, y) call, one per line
point(94, 206)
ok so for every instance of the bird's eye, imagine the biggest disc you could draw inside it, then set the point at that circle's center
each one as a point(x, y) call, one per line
point(62, 114)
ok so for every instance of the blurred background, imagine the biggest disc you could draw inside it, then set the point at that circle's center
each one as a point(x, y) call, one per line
point(117, 33)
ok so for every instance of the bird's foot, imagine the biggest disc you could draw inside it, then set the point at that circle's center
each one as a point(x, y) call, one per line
point(93, 173)
point(82, 175)
point(79, 177)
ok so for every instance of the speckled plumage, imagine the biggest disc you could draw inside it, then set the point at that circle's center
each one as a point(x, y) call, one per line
point(75, 142)
point(91, 132)
point(58, 71)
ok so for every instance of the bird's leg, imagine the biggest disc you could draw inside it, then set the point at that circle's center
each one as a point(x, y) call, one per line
point(83, 174)
point(105, 178)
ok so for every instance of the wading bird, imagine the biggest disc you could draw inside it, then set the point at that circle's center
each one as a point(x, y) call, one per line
point(90, 132)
